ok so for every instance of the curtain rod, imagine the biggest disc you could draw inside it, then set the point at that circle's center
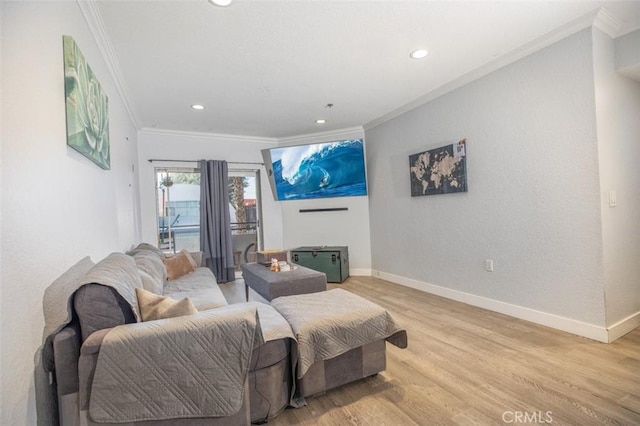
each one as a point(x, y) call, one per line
point(151, 160)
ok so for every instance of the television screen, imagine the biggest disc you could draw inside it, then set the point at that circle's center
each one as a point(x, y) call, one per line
point(321, 170)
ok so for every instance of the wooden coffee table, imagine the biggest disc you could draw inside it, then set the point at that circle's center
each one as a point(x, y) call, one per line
point(270, 285)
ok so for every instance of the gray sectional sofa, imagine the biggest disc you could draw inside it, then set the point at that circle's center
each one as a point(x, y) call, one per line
point(95, 305)
point(224, 365)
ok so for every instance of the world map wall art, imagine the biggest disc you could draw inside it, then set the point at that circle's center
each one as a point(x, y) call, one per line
point(87, 107)
point(440, 170)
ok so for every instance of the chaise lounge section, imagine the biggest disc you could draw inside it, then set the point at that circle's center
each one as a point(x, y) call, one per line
point(339, 337)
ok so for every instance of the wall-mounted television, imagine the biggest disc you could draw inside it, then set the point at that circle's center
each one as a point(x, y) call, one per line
point(319, 170)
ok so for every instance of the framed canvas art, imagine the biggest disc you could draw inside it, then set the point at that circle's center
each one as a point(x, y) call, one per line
point(87, 107)
point(440, 170)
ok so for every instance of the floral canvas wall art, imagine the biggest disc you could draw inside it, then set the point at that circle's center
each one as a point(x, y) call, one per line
point(87, 107)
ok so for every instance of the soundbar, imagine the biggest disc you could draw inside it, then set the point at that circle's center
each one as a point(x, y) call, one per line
point(331, 209)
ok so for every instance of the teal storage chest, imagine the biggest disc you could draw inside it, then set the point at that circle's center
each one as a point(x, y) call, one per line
point(332, 260)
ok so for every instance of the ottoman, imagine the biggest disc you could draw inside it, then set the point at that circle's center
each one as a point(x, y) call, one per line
point(270, 285)
point(340, 338)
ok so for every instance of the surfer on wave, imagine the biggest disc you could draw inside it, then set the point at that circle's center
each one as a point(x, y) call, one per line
point(325, 179)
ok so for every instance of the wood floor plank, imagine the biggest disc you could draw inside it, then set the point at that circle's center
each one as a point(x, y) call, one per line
point(469, 366)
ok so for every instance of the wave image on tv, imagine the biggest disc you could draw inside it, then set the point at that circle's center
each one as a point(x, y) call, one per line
point(334, 169)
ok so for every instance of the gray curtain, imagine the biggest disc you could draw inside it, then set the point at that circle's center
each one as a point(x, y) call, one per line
point(215, 220)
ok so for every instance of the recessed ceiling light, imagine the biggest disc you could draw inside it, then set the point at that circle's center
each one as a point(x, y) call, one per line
point(418, 54)
point(321, 121)
point(197, 106)
point(222, 3)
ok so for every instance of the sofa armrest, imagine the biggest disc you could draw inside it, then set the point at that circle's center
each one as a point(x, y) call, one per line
point(92, 344)
point(172, 326)
point(86, 365)
point(210, 346)
point(66, 350)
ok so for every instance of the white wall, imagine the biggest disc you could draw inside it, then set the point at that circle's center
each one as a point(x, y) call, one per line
point(340, 228)
point(184, 146)
point(1, 195)
point(533, 204)
point(284, 226)
point(618, 121)
point(57, 206)
point(627, 53)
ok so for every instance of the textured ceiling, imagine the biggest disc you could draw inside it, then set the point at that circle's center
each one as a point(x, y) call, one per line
point(269, 68)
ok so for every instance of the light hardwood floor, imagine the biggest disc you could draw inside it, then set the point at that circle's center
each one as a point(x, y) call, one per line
point(466, 365)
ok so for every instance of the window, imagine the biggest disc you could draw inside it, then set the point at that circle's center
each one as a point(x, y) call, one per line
point(178, 202)
point(244, 200)
point(178, 211)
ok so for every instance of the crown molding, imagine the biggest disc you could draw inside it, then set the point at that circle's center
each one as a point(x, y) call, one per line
point(315, 137)
point(357, 131)
point(628, 30)
point(213, 136)
point(599, 17)
point(607, 23)
point(92, 16)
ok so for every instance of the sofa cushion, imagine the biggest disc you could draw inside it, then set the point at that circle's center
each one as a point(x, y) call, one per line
point(203, 299)
point(155, 307)
point(179, 265)
point(98, 307)
point(152, 271)
point(198, 279)
point(200, 286)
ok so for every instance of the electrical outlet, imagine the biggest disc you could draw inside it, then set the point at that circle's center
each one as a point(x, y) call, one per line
point(488, 265)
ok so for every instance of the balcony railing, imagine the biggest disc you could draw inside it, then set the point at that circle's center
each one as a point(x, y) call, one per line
point(243, 227)
point(187, 236)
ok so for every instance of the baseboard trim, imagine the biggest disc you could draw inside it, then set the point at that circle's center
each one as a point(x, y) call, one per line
point(568, 325)
point(360, 272)
point(624, 326)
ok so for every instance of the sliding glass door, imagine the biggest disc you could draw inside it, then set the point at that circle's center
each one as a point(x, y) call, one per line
point(178, 211)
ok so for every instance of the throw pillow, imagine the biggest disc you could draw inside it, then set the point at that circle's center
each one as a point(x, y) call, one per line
point(179, 265)
point(155, 307)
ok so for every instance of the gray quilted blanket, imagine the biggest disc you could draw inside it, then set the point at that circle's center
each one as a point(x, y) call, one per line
point(56, 305)
point(330, 323)
point(273, 326)
point(185, 367)
point(117, 271)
